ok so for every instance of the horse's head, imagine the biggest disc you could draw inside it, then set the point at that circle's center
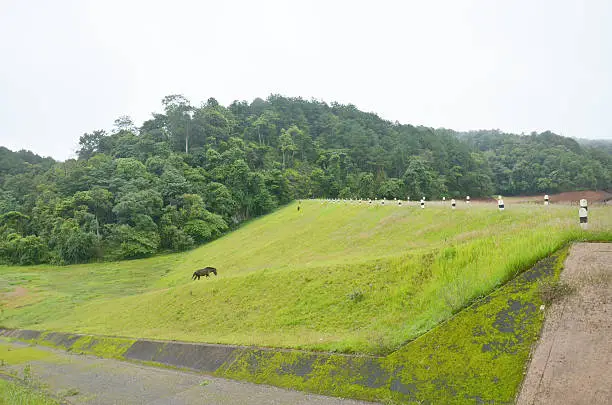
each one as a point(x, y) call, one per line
point(214, 271)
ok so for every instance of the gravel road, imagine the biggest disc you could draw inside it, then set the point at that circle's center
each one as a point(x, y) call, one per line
point(106, 382)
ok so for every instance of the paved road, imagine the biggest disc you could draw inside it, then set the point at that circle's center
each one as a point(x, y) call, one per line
point(107, 382)
point(572, 363)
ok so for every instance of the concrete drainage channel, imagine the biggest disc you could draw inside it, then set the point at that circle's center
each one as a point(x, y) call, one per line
point(193, 356)
point(477, 356)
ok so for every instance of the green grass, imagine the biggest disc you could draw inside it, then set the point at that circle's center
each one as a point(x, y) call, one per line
point(476, 356)
point(10, 356)
point(13, 393)
point(338, 277)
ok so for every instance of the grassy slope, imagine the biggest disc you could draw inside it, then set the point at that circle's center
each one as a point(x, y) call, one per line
point(333, 277)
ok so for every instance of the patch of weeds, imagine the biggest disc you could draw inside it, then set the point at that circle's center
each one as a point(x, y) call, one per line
point(14, 392)
point(555, 291)
point(27, 375)
point(356, 296)
point(204, 383)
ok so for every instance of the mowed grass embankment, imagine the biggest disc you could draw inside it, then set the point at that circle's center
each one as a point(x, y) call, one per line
point(333, 276)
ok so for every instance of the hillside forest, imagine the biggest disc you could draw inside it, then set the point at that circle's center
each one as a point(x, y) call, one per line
point(190, 174)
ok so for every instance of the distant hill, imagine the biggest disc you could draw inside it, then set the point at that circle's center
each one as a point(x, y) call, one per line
point(19, 162)
point(604, 145)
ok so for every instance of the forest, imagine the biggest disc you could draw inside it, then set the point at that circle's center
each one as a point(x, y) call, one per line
point(190, 174)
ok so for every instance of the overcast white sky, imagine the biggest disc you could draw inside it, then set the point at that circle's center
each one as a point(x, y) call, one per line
point(69, 67)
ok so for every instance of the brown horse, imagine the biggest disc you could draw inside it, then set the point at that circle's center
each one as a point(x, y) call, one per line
point(204, 272)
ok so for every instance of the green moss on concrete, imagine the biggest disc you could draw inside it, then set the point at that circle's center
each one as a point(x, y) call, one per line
point(108, 347)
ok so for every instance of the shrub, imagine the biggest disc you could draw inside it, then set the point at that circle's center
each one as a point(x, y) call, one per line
point(19, 250)
point(132, 244)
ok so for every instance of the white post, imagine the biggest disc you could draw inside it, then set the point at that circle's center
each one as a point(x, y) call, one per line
point(583, 213)
point(500, 204)
point(453, 203)
point(443, 198)
point(399, 203)
point(423, 203)
point(584, 220)
point(382, 202)
point(546, 199)
point(467, 199)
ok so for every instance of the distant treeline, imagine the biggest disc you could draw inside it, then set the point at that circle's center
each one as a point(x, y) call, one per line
point(189, 174)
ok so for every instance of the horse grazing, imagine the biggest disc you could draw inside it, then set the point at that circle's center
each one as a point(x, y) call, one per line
point(204, 272)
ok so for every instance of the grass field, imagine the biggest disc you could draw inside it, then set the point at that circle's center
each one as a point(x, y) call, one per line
point(333, 276)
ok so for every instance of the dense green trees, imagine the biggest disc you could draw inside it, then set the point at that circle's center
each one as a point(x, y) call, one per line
point(189, 174)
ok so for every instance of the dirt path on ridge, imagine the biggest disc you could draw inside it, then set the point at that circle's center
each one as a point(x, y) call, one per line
point(572, 363)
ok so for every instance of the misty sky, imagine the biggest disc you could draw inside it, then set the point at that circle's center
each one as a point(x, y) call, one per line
point(69, 67)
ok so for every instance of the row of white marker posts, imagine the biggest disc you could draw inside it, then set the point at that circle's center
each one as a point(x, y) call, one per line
point(583, 214)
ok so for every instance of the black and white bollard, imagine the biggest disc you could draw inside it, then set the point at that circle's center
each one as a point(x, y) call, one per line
point(546, 199)
point(583, 213)
point(382, 202)
point(399, 203)
point(370, 202)
point(423, 203)
point(467, 199)
point(453, 203)
point(443, 198)
point(500, 204)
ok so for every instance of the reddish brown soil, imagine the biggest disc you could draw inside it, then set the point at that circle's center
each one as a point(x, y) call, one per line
point(567, 197)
